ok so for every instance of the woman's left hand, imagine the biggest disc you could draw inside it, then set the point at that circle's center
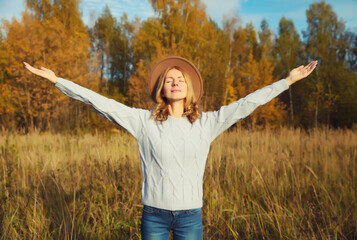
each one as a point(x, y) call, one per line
point(300, 72)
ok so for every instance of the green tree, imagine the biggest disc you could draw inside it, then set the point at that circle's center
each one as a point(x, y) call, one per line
point(102, 35)
point(287, 52)
point(352, 50)
point(332, 87)
point(121, 52)
point(111, 44)
point(264, 48)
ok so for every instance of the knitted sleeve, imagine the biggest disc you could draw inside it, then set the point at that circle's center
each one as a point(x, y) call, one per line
point(218, 121)
point(127, 117)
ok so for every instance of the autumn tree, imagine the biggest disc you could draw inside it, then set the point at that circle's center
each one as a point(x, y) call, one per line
point(138, 91)
point(7, 108)
point(230, 29)
point(273, 113)
point(146, 48)
point(50, 34)
point(253, 69)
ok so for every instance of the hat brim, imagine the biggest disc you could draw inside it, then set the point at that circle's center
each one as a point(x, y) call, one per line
point(174, 61)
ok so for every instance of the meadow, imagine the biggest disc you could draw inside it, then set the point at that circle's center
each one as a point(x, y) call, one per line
point(269, 184)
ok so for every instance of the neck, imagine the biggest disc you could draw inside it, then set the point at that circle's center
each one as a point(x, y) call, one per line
point(176, 108)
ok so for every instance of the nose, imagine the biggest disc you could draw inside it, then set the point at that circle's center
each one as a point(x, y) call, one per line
point(174, 83)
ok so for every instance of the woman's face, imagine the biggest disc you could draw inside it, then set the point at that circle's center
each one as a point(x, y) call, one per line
point(175, 87)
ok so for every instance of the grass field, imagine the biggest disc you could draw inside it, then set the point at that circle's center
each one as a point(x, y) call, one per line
point(271, 184)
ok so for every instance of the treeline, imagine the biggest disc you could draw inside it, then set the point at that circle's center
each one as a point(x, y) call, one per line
point(114, 58)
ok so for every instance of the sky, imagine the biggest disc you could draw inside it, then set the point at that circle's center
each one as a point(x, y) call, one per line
point(253, 11)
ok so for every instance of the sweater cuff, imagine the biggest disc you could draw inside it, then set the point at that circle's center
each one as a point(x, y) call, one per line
point(285, 83)
point(58, 82)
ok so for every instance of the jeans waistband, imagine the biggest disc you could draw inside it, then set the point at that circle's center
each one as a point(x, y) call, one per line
point(171, 211)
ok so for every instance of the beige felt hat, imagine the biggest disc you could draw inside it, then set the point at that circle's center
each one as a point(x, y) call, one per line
point(174, 61)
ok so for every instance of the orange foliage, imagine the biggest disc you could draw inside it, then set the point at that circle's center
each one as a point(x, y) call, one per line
point(34, 102)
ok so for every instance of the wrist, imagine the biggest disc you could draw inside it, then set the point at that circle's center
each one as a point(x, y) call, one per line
point(53, 80)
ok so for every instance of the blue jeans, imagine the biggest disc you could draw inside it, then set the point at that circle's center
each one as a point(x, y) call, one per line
point(156, 224)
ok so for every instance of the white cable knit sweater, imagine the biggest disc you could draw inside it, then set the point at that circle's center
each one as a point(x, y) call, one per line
point(173, 154)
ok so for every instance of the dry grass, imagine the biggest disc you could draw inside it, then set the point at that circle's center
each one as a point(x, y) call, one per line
point(283, 184)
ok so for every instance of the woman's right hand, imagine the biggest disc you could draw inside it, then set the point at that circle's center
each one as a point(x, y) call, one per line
point(43, 72)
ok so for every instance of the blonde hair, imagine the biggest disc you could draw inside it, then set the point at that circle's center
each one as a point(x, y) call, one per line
point(161, 111)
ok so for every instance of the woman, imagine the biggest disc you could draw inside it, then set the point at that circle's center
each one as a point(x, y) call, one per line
point(173, 139)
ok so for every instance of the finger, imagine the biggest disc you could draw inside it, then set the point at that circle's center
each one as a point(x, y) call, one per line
point(34, 70)
point(307, 68)
point(300, 67)
point(30, 68)
point(315, 63)
point(27, 65)
point(310, 66)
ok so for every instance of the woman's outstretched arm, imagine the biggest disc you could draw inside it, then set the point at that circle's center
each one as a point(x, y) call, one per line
point(127, 117)
point(218, 121)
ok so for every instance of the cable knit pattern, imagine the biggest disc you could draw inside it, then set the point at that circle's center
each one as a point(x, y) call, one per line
point(173, 154)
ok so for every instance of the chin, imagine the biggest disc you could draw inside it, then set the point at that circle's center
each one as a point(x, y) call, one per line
point(176, 99)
